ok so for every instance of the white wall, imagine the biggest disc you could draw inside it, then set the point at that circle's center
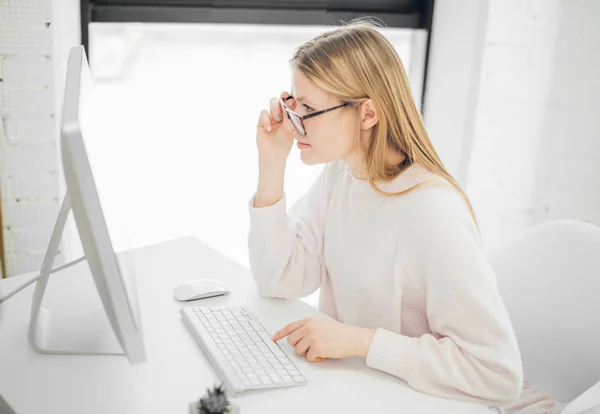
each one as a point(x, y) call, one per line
point(33, 38)
point(537, 129)
point(512, 105)
point(454, 69)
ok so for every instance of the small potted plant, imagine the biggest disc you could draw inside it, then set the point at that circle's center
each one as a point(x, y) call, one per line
point(214, 402)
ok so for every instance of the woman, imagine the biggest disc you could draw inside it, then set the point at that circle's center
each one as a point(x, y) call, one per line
point(385, 232)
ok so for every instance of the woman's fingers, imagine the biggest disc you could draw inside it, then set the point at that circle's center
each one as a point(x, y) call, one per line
point(289, 328)
point(291, 103)
point(296, 336)
point(302, 347)
point(312, 356)
point(265, 120)
point(276, 111)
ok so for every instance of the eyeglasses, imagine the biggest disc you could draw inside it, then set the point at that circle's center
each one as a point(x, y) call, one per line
point(297, 119)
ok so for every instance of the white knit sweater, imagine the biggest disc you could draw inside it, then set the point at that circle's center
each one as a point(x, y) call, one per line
point(412, 267)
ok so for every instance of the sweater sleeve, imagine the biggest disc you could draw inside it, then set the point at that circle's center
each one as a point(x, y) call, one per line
point(286, 249)
point(471, 352)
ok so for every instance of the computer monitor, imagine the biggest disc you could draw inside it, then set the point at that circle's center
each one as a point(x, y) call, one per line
point(113, 276)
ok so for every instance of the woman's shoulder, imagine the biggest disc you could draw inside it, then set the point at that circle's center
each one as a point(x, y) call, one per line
point(437, 200)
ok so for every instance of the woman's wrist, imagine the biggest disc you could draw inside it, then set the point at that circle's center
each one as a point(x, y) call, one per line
point(364, 339)
point(270, 185)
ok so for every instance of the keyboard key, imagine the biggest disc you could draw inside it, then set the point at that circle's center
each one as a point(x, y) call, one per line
point(256, 381)
point(266, 379)
point(299, 379)
point(276, 378)
point(287, 379)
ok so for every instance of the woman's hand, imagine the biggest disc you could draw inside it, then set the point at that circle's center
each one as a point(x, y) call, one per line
point(319, 339)
point(275, 133)
point(274, 138)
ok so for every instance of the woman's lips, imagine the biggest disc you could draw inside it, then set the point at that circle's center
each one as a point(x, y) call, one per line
point(302, 145)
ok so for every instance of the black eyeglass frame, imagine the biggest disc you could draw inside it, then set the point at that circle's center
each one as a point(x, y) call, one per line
point(301, 118)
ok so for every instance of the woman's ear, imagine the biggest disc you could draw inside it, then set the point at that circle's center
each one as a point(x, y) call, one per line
point(368, 114)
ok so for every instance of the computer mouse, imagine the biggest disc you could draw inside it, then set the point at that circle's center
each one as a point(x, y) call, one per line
point(199, 289)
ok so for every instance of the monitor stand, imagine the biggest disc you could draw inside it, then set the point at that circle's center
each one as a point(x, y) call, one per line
point(79, 332)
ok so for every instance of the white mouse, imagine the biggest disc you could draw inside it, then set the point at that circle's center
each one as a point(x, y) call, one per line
point(199, 289)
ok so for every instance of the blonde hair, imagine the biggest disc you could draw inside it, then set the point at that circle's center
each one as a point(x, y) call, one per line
point(355, 62)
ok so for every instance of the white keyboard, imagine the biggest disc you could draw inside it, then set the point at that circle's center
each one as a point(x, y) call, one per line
point(240, 349)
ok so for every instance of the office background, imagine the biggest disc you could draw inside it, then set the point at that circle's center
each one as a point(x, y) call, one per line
point(509, 88)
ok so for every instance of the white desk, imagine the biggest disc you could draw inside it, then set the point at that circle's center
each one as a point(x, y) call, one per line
point(176, 371)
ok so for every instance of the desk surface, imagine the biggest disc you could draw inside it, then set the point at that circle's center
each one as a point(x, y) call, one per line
point(176, 371)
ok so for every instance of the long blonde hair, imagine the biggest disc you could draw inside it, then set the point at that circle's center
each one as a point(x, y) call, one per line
point(356, 62)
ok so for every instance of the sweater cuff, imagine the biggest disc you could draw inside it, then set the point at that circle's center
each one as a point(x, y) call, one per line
point(392, 353)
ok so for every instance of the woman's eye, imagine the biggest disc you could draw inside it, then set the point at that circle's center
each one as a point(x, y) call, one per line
point(308, 108)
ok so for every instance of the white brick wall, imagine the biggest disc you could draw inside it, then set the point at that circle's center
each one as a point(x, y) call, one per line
point(23, 12)
point(537, 127)
point(28, 140)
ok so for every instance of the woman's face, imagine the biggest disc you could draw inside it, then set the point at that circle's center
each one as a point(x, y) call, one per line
point(329, 136)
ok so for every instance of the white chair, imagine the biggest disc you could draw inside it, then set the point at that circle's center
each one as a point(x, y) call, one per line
point(586, 403)
point(549, 279)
